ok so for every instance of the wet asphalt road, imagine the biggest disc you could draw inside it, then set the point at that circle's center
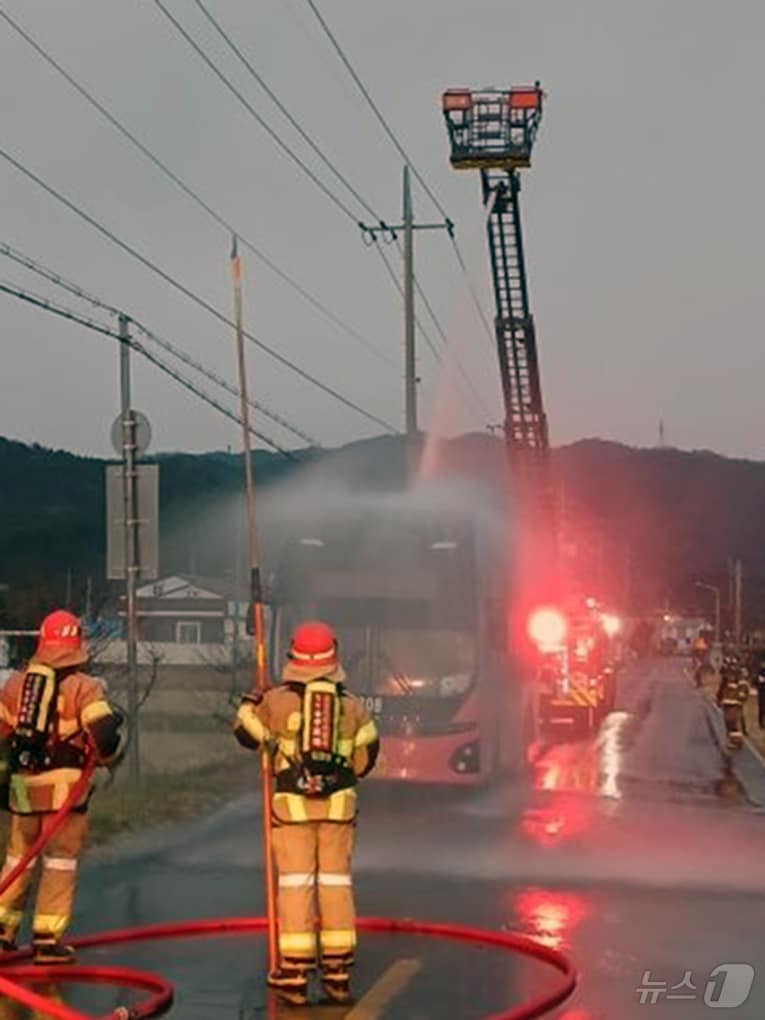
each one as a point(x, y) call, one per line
point(632, 852)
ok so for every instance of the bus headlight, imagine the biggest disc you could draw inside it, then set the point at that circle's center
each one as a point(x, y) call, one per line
point(455, 683)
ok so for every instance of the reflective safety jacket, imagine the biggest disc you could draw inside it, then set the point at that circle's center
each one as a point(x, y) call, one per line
point(80, 719)
point(276, 720)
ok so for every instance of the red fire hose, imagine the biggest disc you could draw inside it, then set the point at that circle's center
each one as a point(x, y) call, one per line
point(16, 974)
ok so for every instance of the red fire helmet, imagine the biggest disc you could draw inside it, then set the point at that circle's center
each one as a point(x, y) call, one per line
point(60, 642)
point(314, 645)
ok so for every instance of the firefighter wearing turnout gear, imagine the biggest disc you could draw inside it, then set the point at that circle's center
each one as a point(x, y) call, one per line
point(732, 694)
point(323, 741)
point(52, 716)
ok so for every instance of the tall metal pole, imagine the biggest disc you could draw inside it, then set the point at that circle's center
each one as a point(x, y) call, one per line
point(410, 359)
point(130, 526)
point(261, 682)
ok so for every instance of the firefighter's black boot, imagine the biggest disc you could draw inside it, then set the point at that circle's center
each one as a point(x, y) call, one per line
point(336, 981)
point(290, 984)
point(48, 951)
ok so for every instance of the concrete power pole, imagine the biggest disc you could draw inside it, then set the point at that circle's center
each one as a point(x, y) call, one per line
point(388, 233)
point(410, 360)
point(130, 519)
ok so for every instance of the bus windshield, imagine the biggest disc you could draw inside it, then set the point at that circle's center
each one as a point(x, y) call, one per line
point(395, 656)
point(401, 662)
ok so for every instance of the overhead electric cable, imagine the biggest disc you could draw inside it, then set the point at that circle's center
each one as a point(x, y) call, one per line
point(482, 412)
point(282, 108)
point(65, 313)
point(254, 113)
point(328, 163)
point(181, 288)
point(405, 156)
point(193, 195)
point(73, 288)
point(375, 109)
point(313, 145)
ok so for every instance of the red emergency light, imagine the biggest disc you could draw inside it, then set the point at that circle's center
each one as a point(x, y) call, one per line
point(611, 624)
point(547, 627)
point(524, 98)
point(457, 99)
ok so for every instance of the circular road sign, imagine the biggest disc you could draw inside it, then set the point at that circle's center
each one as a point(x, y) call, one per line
point(142, 433)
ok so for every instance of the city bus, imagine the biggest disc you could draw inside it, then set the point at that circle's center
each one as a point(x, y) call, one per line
point(418, 597)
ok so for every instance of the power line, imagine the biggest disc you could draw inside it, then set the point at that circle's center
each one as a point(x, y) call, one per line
point(405, 156)
point(182, 289)
point(65, 313)
point(193, 195)
point(254, 113)
point(247, 63)
point(472, 392)
point(73, 288)
point(283, 110)
point(473, 292)
point(375, 109)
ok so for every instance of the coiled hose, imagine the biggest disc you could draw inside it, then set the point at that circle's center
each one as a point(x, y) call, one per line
point(16, 974)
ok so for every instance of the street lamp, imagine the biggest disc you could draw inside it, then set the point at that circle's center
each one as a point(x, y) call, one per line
point(716, 591)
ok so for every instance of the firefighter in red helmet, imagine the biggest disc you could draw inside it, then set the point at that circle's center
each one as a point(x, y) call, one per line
point(52, 715)
point(323, 741)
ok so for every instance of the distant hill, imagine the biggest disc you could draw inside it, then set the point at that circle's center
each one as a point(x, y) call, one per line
point(645, 523)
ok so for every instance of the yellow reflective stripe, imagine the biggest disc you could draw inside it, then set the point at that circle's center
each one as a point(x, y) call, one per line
point(68, 727)
point(50, 924)
point(249, 721)
point(345, 747)
point(338, 938)
point(342, 806)
point(50, 691)
point(11, 919)
point(287, 747)
point(53, 777)
point(302, 942)
point(294, 804)
point(367, 734)
point(94, 711)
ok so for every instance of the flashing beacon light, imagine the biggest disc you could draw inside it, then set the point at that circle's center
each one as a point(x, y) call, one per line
point(611, 624)
point(547, 627)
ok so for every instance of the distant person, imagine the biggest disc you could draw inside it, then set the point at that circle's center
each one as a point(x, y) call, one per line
point(52, 715)
point(699, 657)
point(323, 741)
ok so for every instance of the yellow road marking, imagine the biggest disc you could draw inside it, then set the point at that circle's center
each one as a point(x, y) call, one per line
point(386, 988)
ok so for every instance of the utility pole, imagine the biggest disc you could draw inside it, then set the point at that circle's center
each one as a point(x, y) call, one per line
point(261, 682)
point(130, 525)
point(410, 361)
point(389, 232)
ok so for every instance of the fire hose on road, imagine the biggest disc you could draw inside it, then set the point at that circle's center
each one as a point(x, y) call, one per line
point(16, 974)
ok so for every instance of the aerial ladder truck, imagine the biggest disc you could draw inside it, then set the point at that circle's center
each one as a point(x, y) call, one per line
point(493, 131)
